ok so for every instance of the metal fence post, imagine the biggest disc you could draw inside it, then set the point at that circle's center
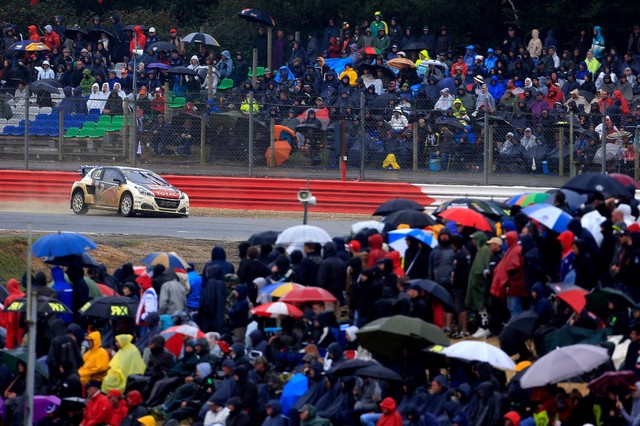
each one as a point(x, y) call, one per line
point(272, 142)
point(203, 137)
point(490, 150)
point(125, 127)
point(363, 140)
point(485, 170)
point(636, 155)
point(561, 151)
point(415, 147)
point(60, 135)
point(603, 161)
point(27, 122)
point(251, 133)
point(572, 170)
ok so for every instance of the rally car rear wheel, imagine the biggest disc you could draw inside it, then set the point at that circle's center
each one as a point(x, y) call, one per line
point(126, 205)
point(77, 203)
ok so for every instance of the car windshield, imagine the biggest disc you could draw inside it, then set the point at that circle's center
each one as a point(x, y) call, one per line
point(144, 177)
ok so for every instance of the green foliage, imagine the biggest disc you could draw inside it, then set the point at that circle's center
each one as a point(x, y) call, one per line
point(13, 262)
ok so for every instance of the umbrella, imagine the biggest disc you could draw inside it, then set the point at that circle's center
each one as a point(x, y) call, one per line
point(425, 237)
point(84, 260)
point(308, 294)
point(385, 71)
point(303, 234)
point(46, 305)
point(562, 364)
point(49, 82)
point(292, 391)
point(160, 46)
point(96, 33)
point(558, 288)
point(548, 215)
point(181, 71)
point(397, 238)
point(529, 198)
point(574, 199)
point(576, 298)
point(367, 224)
point(388, 336)
point(349, 367)
point(72, 32)
point(20, 46)
point(279, 289)
point(474, 350)
point(399, 204)
point(62, 244)
point(258, 16)
point(598, 301)
point(282, 150)
point(467, 217)
point(436, 290)
point(413, 218)
point(157, 66)
point(369, 50)
point(41, 404)
point(277, 309)
point(486, 207)
point(611, 381)
point(37, 47)
point(413, 47)
point(132, 27)
point(237, 121)
point(401, 63)
point(10, 358)
point(174, 337)
point(201, 38)
point(106, 290)
point(170, 260)
point(587, 183)
point(110, 307)
point(435, 63)
point(264, 238)
point(378, 371)
point(625, 180)
point(519, 328)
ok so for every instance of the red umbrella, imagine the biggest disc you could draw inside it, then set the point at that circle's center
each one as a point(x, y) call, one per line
point(174, 337)
point(308, 294)
point(106, 290)
point(575, 298)
point(369, 51)
point(626, 180)
point(277, 309)
point(467, 217)
point(612, 381)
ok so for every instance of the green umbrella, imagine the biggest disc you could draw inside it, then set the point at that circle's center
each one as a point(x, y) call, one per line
point(598, 301)
point(387, 337)
point(10, 358)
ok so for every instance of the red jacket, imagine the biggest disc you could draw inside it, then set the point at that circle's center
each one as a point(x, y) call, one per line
point(11, 320)
point(33, 33)
point(98, 410)
point(139, 37)
point(118, 413)
point(52, 40)
point(392, 418)
point(510, 271)
point(375, 250)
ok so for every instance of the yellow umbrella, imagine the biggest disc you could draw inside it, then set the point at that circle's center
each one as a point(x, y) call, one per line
point(285, 288)
point(37, 47)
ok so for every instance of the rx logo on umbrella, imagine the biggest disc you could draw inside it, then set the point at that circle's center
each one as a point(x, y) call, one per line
point(15, 306)
point(119, 311)
point(56, 307)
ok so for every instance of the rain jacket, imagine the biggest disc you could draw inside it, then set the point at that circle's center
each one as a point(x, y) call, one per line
point(397, 263)
point(140, 38)
point(125, 362)
point(276, 418)
point(535, 45)
point(11, 320)
point(96, 360)
point(173, 298)
point(392, 418)
point(597, 43)
point(375, 250)
point(332, 272)
point(509, 273)
point(566, 240)
point(313, 419)
point(33, 33)
point(239, 312)
point(378, 25)
point(87, 82)
point(98, 410)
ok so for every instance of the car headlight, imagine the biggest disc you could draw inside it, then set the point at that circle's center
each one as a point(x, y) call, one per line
point(182, 195)
point(144, 191)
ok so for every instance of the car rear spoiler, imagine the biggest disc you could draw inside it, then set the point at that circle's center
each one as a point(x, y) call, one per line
point(83, 170)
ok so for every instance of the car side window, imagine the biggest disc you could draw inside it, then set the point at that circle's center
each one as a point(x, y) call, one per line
point(110, 175)
point(97, 174)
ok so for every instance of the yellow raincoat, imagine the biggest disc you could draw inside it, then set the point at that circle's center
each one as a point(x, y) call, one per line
point(423, 56)
point(351, 73)
point(125, 362)
point(96, 360)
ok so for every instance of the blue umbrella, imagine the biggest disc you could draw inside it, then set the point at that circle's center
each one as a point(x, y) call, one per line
point(548, 215)
point(62, 244)
point(294, 389)
point(425, 237)
point(158, 66)
point(19, 46)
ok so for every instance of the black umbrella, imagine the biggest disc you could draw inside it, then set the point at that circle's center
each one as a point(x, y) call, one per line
point(437, 291)
point(258, 16)
point(451, 123)
point(598, 301)
point(201, 38)
point(110, 307)
point(83, 260)
point(378, 371)
point(73, 31)
point(264, 238)
point(414, 47)
point(133, 26)
point(364, 66)
point(46, 305)
point(237, 121)
point(386, 72)
point(95, 34)
point(517, 331)
point(348, 368)
point(491, 210)
point(496, 121)
point(587, 183)
point(396, 204)
point(181, 71)
point(161, 45)
point(413, 218)
point(45, 84)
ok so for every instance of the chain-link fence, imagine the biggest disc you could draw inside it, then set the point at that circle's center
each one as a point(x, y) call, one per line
point(238, 130)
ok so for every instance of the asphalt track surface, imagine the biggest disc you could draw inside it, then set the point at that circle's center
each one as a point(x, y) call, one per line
point(206, 228)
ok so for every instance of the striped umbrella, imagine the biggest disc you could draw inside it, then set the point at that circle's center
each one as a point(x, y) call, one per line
point(548, 215)
point(277, 309)
point(170, 260)
point(279, 289)
point(529, 198)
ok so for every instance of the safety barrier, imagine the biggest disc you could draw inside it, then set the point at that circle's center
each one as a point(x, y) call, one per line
point(223, 192)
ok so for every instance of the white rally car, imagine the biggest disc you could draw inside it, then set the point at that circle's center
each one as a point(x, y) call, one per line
point(128, 191)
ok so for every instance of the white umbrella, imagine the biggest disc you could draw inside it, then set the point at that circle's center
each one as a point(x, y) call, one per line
point(367, 224)
point(303, 234)
point(591, 221)
point(474, 350)
point(562, 364)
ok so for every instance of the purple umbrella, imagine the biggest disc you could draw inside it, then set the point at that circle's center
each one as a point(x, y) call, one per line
point(42, 405)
